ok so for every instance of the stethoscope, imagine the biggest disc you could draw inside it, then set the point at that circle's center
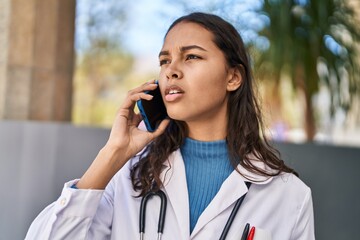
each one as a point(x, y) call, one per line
point(163, 203)
point(161, 222)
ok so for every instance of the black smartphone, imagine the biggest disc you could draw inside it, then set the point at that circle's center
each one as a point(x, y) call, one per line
point(152, 111)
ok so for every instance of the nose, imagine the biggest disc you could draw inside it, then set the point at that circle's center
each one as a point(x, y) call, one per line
point(173, 71)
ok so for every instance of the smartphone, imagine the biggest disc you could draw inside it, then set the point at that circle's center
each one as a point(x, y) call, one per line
point(152, 111)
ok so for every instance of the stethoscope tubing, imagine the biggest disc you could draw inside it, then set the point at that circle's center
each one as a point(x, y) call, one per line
point(233, 214)
point(161, 221)
point(163, 203)
point(231, 218)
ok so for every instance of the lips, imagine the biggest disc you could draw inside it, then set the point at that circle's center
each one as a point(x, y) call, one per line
point(173, 93)
point(173, 89)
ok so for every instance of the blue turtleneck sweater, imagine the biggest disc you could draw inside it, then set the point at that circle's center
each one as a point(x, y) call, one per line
point(207, 166)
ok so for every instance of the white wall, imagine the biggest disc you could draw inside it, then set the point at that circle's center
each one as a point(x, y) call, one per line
point(36, 159)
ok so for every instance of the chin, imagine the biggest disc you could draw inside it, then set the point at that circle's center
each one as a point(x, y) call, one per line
point(176, 115)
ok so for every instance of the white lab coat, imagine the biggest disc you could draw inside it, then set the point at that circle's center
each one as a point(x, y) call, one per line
point(279, 207)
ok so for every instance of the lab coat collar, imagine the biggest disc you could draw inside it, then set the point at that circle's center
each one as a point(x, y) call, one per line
point(234, 187)
point(248, 176)
point(174, 180)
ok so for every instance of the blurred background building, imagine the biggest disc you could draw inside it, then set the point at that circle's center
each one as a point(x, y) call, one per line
point(36, 59)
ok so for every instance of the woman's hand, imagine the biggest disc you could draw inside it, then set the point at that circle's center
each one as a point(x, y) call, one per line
point(125, 134)
point(125, 140)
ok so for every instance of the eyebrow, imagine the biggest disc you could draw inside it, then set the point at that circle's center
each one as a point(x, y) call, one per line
point(183, 49)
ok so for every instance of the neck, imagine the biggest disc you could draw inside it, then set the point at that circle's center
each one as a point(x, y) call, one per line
point(207, 131)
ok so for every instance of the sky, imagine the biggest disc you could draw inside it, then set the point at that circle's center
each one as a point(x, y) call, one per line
point(149, 20)
point(145, 31)
point(147, 27)
point(141, 34)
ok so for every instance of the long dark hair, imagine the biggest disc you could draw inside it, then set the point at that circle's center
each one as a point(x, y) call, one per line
point(245, 138)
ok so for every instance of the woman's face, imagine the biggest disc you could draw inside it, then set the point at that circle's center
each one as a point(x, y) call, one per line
point(194, 77)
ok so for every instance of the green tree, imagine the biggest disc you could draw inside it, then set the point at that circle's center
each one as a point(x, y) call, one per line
point(312, 42)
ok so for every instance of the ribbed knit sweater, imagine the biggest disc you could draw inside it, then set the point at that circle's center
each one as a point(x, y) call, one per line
point(207, 166)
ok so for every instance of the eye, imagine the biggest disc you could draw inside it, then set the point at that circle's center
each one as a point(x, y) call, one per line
point(164, 61)
point(192, 56)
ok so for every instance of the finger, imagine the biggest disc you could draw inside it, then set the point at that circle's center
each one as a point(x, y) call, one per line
point(130, 101)
point(141, 95)
point(151, 85)
point(161, 128)
point(136, 119)
point(126, 111)
point(123, 115)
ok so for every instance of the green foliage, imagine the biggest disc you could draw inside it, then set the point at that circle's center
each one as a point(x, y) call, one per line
point(313, 42)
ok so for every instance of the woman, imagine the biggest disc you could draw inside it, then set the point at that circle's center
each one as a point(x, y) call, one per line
point(203, 157)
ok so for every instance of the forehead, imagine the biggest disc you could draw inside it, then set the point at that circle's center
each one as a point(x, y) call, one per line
point(187, 33)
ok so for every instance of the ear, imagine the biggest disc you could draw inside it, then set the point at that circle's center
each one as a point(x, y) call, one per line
point(234, 79)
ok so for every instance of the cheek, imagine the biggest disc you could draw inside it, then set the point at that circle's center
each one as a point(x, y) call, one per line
point(215, 84)
point(161, 75)
point(217, 71)
point(162, 83)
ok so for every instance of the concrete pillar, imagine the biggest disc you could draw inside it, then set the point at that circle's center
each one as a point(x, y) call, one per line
point(36, 59)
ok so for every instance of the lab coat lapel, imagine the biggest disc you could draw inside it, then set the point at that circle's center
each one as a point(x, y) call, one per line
point(233, 188)
point(174, 179)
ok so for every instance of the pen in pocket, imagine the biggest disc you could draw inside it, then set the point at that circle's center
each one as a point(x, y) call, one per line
point(251, 234)
point(246, 232)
